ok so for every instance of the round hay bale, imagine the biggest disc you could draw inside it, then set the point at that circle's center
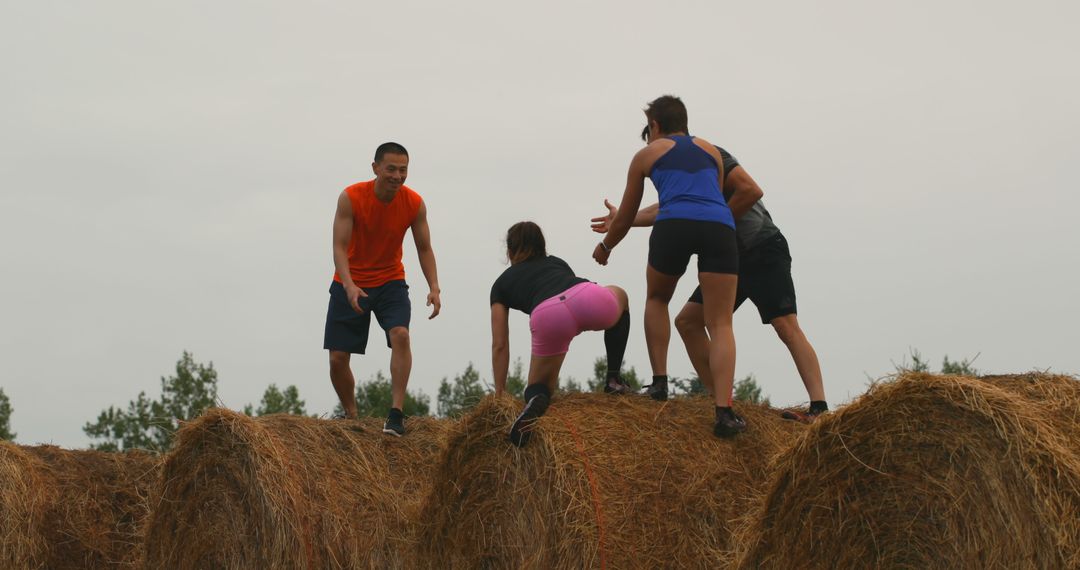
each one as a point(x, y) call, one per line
point(73, 508)
point(930, 472)
point(285, 491)
point(22, 498)
point(605, 482)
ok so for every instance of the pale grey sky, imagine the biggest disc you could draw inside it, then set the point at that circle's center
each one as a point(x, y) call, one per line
point(168, 174)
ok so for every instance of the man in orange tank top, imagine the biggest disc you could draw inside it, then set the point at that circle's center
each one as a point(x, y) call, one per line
point(369, 229)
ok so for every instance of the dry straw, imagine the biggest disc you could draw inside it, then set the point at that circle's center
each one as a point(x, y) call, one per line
point(63, 509)
point(291, 492)
point(605, 482)
point(930, 472)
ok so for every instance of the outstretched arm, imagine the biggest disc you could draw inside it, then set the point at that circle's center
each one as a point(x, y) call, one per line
point(422, 236)
point(645, 217)
point(343, 228)
point(631, 200)
point(500, 345)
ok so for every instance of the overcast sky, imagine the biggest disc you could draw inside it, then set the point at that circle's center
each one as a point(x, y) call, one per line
point(169, 172)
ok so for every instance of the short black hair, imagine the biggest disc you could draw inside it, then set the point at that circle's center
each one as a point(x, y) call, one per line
point(669, 112)
point(645, 133)
point(389, 148)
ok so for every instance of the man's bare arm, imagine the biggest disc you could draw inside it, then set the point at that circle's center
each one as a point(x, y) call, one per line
point(745, 192)
point(422, 236)
point(645, 217)
point(342, 234)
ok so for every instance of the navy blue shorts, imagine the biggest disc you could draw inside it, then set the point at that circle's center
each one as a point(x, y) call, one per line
point(765, 279)
point(347, 330)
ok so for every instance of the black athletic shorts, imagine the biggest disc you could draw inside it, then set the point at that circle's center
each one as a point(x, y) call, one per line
point(673, 241)
point(765, 279)
point(347, 330)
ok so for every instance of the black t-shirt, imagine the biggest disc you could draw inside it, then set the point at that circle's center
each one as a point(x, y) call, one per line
point(526, 284)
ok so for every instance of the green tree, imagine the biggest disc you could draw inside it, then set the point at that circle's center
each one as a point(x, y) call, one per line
point(275, 401)
point(375, 397)
point(596, 384)
point(462, 394)
point(691, 386)
point(516, 381)
point(5, 417)
point(149, 424)
point(918, 363)
point(961, 368)
point(747, 390)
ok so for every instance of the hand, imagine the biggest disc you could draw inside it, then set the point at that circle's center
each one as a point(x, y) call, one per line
point(353, 293)
point(433, 299)
point(600, 254)
point(601, 224)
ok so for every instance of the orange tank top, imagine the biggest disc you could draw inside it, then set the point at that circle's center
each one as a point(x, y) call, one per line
point(378, 232)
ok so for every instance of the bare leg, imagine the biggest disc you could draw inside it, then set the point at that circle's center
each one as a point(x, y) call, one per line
point(620, 296)
point(659, 289)
point(690, 322)
point(806, 360)
point(400, 364)
point(718, 291)
point(545, 370)
point(341, 377)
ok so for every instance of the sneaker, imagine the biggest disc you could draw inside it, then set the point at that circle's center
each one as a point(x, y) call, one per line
point(807, 417)
point(340, 416)
point(521, 431)
point(657, 390)
point(615, 385)
point(395, 424)
point(728, 423)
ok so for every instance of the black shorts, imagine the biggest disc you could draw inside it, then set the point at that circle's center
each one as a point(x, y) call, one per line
point(347, 330)
point(765, 279)
point(673, 241)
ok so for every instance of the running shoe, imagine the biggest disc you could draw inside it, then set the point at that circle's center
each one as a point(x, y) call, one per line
point(807, 417)
point(395, 424)
point(728, 423)
point(521, 431)
point(616, 385)
point(657, 390)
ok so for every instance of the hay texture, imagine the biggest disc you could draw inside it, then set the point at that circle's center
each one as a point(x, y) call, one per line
point(605, 482)
point(66, 509)
point(930, 472)
point(284, 491)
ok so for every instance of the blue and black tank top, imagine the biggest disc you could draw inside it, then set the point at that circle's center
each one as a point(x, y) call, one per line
point(688, 181)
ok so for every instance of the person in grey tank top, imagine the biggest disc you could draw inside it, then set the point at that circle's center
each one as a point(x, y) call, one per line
point(764, 278)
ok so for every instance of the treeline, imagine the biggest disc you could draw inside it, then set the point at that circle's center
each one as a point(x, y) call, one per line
point(151, 424)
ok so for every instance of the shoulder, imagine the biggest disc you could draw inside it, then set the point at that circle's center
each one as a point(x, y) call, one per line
point(412, 198)
point(650, 153)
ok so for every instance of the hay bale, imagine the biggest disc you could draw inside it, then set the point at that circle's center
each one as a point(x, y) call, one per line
point(615, 482)
point(285, 491)
point(63, 509)
point(22, 499)
point(930, 472)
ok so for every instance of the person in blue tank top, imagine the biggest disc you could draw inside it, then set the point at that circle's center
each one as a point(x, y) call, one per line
point(693, 219)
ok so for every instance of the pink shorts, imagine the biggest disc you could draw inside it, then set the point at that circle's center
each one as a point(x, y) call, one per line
point(557, 320)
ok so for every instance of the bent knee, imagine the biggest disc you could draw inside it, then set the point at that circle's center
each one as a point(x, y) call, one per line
point(685, 323)
point(399, 336)
point(787, 328)
point(339, 359)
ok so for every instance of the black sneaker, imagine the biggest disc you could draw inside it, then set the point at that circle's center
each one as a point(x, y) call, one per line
point(395, 424)
point(728, 423)
point(657, 390)
point(615, 385)
point(521, 431)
